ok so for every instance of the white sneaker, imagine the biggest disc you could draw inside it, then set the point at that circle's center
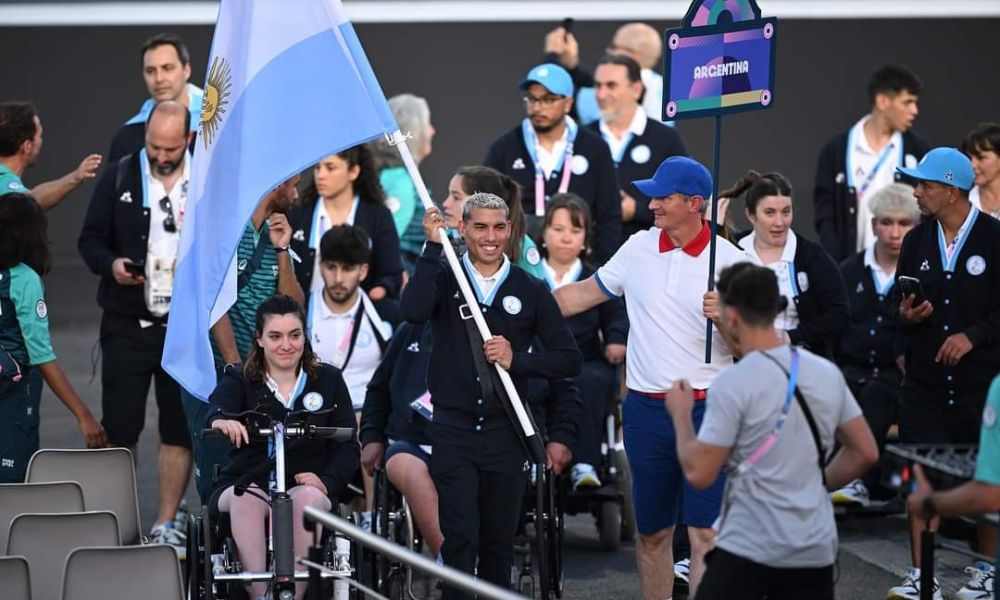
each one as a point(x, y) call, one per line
point(584, 476)
point(980, 587)
point(175, 538)
point(681, 570)
point(910, 588)
point(181, 517)
point(852, 494)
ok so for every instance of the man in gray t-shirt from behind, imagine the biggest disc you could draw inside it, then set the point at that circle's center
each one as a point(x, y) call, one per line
point(777, 536)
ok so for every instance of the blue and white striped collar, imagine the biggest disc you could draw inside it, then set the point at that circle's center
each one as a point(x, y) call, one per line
point(479, 281)
point(948, 263)
point(195, 96)
point(572, 275)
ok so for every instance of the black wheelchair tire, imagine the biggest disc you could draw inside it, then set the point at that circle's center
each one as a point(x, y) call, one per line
point(541, 531)
point(556, 534)
point(625, 488)
point(194, 565)
point(610, 525)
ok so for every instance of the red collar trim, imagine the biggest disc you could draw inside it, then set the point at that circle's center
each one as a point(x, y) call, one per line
point(692, 248)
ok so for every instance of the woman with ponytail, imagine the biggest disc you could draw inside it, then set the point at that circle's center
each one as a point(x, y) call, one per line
point(817, 309)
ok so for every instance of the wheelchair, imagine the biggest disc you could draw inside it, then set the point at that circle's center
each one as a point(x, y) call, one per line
point(611, 504)
point(213, 567)
point(539, 542)
point(392, 519)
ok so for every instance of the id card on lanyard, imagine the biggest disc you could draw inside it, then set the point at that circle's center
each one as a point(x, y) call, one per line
point(531, 143)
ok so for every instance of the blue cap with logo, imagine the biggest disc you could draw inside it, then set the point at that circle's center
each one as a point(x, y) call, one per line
point(550, 76)
point(943, 165)
point(677, 174)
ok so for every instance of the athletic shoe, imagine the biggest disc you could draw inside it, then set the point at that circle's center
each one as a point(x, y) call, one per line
point(175, 538)
point(584, 476)
point(980, 587)
point(181, 517)
point(681, 570)
point(910, 588)
point(852, 494)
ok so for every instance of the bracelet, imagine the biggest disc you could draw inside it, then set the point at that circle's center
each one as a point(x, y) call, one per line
point(928, 506)
point(280, 249)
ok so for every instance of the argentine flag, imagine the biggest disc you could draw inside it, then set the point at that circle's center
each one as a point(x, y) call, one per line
point(288, 84)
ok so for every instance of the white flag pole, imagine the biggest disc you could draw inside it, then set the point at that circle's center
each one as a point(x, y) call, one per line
point(527, 427)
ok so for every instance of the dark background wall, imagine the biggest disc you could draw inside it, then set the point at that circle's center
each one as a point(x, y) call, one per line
point(86, 81)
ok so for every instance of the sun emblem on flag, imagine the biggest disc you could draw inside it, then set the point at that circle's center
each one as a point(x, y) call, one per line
point(213, 105)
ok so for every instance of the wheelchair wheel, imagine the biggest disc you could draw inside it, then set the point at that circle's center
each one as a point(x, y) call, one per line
point(379, 564)
point(609, 525)
point(625, 488)
point(556, 528)
point(194, 566)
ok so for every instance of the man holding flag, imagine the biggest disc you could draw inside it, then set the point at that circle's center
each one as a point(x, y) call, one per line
point(258, 130)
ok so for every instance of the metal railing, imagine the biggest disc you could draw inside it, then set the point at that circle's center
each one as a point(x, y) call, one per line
point(448, 575)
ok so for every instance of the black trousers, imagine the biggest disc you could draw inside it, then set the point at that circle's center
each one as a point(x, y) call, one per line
point(481, 480)
point(597, 385)
point(880, 399)
point(130, 359)
point(729, 576)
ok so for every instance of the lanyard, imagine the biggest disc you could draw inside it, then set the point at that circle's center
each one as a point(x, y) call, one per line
point(346, 346)
point(320, 224)
point(950, 252)
point(531, 143)
point(772, 438)
point(870, 178)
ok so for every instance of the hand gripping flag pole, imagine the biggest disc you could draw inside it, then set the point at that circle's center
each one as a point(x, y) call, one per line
point(532, 439)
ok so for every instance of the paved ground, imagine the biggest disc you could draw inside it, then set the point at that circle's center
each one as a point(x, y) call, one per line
point(874, 551)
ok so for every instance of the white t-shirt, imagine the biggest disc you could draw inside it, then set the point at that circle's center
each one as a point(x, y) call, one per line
point(663, 288)
point(161, 253)
point(321, 224)
point(331, 333)
point(778, 512)
point(784, 269)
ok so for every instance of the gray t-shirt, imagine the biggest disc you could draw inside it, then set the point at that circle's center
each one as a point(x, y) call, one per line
point(779, 513)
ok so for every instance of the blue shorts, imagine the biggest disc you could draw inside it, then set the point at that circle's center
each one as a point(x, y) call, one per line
point(404, 447)
point(658, 481)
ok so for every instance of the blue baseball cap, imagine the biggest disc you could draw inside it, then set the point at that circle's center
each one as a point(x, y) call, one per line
point(550, 76)
point(943, 165)
point(677, 174)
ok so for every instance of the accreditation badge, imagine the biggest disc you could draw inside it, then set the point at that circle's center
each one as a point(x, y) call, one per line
point(159, 283)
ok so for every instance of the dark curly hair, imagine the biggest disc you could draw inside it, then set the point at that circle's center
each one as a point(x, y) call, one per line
point(366, 186)
point(255, 368)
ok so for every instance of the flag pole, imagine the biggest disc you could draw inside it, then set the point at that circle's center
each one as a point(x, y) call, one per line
point(532, 438)
point(715, 229)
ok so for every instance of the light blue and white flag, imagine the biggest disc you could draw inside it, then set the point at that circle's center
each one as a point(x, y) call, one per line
point(288, 84)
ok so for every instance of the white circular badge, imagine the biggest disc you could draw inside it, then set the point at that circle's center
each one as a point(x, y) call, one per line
point(364, 339)
point(41, 309)
point(803, 281)
point(975, 265)
point(580, 164)
point(989, 416)
point(532, 257)
point(641, 154)
point(512, 304)
point(312, 401)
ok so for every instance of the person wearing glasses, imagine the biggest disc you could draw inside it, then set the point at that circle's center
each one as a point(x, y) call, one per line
point(549, 153)
point(130, 238)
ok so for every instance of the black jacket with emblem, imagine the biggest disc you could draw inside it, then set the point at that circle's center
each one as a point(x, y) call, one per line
point(116, 226)
point(836, 203)
point(873, 338)
point(524, 309)
point(335, 463)
point(597, 184)
point(400, 379)
point(965, 301)
point(661, 142)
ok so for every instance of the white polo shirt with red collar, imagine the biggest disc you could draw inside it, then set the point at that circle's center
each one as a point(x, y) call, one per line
point(663, 286)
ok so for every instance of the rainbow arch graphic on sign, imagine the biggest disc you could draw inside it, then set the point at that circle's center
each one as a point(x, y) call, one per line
point(716, 12)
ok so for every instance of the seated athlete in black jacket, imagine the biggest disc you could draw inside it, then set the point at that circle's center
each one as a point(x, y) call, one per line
point(282, 375)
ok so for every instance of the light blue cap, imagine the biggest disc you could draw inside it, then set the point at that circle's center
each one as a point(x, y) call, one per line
point(947, 166)
point(550, 76)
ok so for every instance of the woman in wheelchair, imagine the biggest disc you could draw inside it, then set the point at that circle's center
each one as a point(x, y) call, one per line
point(394, 427)
point(281, 375)
point(600, 332)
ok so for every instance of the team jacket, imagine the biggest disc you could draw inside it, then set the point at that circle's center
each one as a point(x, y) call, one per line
point(520, 309)
point(873, 338)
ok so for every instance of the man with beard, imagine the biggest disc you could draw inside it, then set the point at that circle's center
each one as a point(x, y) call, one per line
point(638, 143)
point(343, 326)
point(550, 153)
point(20, 147)
point(130, 238)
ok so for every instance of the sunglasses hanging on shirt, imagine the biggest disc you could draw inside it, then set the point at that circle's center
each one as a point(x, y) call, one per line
point(169, 224)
